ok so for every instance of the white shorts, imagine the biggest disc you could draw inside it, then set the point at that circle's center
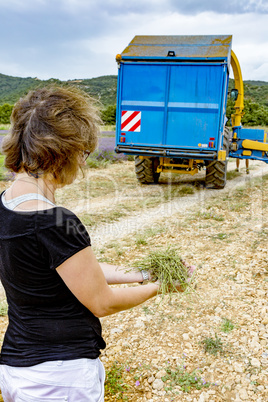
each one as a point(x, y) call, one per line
point(80, 380)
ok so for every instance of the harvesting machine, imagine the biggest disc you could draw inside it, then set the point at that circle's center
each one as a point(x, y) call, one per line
point(171, 107)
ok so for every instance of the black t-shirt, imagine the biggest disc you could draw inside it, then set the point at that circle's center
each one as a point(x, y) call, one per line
point(46, 321)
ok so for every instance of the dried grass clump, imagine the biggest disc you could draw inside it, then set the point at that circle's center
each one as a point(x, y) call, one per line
point(167, 267)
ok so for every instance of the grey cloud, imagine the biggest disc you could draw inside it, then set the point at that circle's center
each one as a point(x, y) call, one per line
point(49, 21)
point(49, 24)
point(220, 6)
point(57, 38)
point(103, 8)
point(123, 7)
point(48, 39)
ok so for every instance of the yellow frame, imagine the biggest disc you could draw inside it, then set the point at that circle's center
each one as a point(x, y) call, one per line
point(255, 145)
point(179, 168)
point(239, 104)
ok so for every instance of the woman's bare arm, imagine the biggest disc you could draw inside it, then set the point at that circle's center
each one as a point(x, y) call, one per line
point(117, 274)
point(85, 278)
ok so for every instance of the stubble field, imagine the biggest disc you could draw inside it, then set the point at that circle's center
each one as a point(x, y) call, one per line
point(209, 345)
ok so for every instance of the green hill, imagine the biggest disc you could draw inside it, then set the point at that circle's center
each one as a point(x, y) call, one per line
point(256, 91)
point(11, 88)
point(102, 88)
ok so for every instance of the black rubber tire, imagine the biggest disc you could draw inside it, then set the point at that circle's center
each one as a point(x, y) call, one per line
point(146, 170)
point(216, 170)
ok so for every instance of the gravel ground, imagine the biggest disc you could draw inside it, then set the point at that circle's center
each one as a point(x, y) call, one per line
point(231, 255)
point(232, 259)
point(224, 233)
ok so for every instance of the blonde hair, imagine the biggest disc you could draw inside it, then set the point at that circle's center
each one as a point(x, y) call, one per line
point(50, 129)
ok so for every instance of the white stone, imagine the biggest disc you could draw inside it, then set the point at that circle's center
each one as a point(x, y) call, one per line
point(260, 388)
point(139, 324)
point(238, 367)
point(255, 362)
point(186, 337)
point(116, 331)
point(265, 320)
point(158, 384)
point(254, 344)
point(202, 398)
point(211, 392)
point(161, 374)
point(243, 394)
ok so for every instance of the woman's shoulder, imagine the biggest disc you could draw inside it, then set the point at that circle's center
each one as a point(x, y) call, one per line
point(57, 216)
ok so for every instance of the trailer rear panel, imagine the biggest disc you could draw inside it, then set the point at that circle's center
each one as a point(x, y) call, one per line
point(172, 95)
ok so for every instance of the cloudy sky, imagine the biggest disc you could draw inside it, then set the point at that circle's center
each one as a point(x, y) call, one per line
point(70, 39)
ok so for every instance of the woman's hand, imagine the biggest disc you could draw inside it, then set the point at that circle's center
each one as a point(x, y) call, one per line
point(178, 286)
point(191, 269)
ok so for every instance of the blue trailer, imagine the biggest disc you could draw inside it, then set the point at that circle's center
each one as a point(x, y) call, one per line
point(171, 107)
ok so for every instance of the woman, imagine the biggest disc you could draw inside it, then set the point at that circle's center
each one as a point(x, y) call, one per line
point(55, 287)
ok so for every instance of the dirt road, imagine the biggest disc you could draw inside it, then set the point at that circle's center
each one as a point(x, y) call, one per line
point(141, 221)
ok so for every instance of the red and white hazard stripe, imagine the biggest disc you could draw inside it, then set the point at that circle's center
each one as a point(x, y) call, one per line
point(130, 121)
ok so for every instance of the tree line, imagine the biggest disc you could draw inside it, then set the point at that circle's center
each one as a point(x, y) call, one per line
point(255, 114)
point(108, 114)
point(104, 89)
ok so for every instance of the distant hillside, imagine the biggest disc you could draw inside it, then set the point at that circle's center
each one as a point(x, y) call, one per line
point(104, 88)
point(257, 91)
point(12, 88)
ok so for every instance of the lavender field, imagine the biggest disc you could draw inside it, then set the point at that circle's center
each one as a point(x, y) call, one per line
point(103, 154)
point(105, 150)
point(105, 147)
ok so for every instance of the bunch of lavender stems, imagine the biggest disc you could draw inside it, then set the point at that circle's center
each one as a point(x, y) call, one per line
point(168, 268)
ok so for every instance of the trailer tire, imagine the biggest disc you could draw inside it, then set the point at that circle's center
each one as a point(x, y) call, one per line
point(146, 170)
point(216, 171)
